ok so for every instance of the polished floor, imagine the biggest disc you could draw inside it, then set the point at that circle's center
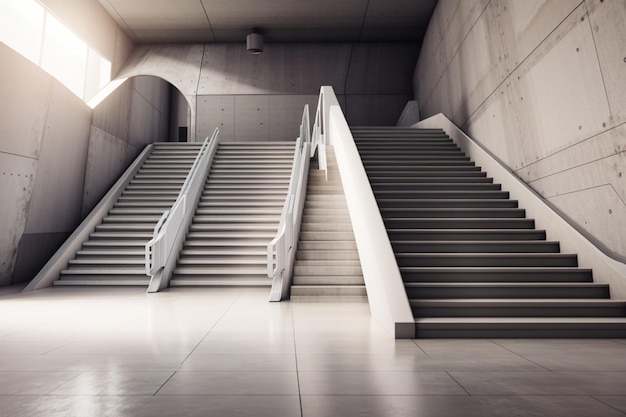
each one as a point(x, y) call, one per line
point(199, 352)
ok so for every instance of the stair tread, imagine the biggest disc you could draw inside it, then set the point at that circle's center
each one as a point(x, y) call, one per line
point(509, 302)
point(503, 284)
point(513, 320)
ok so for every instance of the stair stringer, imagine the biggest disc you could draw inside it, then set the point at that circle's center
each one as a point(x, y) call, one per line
point(606, 270)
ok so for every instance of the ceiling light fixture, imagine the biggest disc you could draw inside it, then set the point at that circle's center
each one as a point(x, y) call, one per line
point(254, 42)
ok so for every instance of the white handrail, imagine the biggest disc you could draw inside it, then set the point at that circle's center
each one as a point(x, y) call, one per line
point(167, 232)
point(386, 295)
point(281, 250)
point(319, 136)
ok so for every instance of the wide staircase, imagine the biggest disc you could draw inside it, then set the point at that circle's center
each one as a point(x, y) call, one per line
point(327, 267)
point(114, 254)
point(473, 265)
point(237, 216)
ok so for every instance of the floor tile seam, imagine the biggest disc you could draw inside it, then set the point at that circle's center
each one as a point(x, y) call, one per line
point(295, 353)
point(389, 395)
point(521, 356)
point(182, 371)
point(458, 383)
point(164, 383)
point(225, 395)
point(419, 347)
point(595, 397)
point(77, 374)
point(226, 310)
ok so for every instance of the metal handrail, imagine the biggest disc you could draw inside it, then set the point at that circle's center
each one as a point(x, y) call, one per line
point(159, 249)
point(281, 250)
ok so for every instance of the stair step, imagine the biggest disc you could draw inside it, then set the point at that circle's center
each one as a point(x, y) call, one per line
point(223, 261)
point(479, 178)
point(104, 271)
point(356, 279)
point(438, 194)
point(518, 308)
point(238, 270)
point(126, 243)
point(102, 281)
point(239, 234)
point(121, 235)
point(330, 226)
point(521, 327)
point(232, 227)
point(513, 246)
point(327, 290)
point(411, 187)
point(327, 255)
point(490, 259)
point(506, 274)
point(466, 234)
point(112, 263)
point(224, 252)
point(404, 171)
point(453, 212)
point(221, 281)
point(121, 227)
point(508, 290)
point(234, 218)
point(448, 203)
point(147, 219)
point(326, 245)
point(458, 223)
point(239, 211)
point(113, 252)
point(327, 270)
point(326, 236)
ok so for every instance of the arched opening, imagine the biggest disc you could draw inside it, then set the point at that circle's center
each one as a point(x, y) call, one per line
point(156, 110)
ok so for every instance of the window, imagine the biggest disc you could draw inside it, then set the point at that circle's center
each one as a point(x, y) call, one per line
point(28, 28)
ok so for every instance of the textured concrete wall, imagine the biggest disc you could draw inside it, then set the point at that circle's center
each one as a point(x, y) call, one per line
point(541, 85)
point(43, 124)
point(260, 97)
point(44, 144)
point(135, 115)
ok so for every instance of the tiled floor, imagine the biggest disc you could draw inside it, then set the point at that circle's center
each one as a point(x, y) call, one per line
point(198, 352)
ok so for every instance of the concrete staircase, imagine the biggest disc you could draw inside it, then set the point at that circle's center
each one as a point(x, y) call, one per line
point(237, 216)
point(472, 263)
point(327, 267)
point(114, 254)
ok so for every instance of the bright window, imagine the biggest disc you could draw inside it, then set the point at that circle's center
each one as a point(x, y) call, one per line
point(27, 27)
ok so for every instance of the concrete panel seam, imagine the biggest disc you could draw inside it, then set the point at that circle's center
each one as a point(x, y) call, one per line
point(572, 167)
point(588, 189)
point(522, 61)
point(445, 70)
point(595, 45)
point(567, 148)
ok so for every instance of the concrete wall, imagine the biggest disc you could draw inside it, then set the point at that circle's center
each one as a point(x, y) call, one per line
point(43, 149)
point(135, 115)
point(261, 97)
point(541, 85)
point(57, 157)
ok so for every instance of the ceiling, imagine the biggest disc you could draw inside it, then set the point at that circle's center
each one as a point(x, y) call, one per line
point(206, 21)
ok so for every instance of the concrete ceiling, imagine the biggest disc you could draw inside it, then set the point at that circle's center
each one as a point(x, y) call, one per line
point(205, 21)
